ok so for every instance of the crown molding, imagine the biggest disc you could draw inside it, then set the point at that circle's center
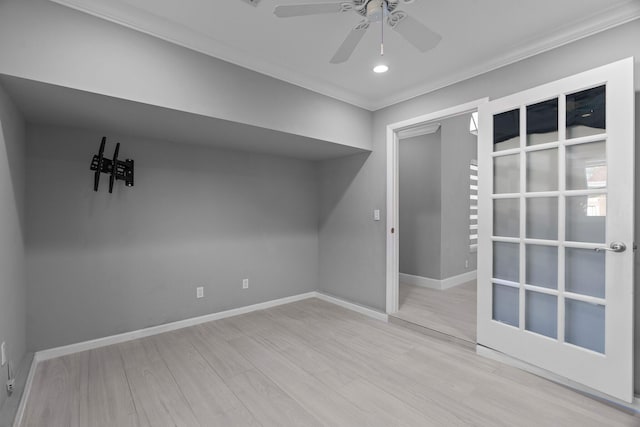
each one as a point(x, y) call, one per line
point(418, 130)
point(610, 18)
point(112, 10)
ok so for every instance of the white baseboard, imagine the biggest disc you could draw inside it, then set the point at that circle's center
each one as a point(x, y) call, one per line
point(438, 284)
point(17, 422)
point(511, 361)
point(167, 327)
point(424, 282)
point(369, 312)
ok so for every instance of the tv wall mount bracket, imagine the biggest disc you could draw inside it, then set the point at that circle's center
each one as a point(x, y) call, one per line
point(118, 170)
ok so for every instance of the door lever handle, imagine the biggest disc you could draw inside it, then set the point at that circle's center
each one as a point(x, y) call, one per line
point(613, 247)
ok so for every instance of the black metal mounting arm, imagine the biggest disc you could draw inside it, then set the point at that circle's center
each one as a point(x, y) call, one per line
point(121, 170)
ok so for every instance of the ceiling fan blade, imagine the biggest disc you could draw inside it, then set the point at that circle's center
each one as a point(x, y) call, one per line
point(349, 44)
point(415, 32)
point(288, 11)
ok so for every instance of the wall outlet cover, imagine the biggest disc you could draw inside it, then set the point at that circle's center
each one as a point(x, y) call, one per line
point(3, 353)
point(200, 292)
point(245, 284)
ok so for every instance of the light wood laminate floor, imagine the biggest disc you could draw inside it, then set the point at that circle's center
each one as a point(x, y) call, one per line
point(308, 363)
point(449, 311)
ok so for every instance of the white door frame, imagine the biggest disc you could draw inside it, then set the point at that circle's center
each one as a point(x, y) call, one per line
point(407, 128)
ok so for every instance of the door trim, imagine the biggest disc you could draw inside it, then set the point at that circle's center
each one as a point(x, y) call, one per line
point(416, 126)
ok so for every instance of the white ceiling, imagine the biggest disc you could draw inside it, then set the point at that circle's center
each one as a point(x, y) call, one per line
point(47, 104)
point(478, 36)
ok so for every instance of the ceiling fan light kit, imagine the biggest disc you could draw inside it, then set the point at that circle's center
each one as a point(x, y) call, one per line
point(380, 69)
point(421, 37)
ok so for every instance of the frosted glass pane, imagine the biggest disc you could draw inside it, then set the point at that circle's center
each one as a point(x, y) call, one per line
point(542, 266)
point(586, 218)
point(541, 314)
point(506, 130)
point(587, 166)
point(542, 122)
point(585, 272)
point(542, 170)
point(542, 218)
point(586, 112)
point(506, 174)
point(584, 325)
point(506, 261)
point(506, 217)
point(506, 306)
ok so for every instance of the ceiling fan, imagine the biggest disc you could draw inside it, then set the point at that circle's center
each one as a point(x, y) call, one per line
point(413, 31)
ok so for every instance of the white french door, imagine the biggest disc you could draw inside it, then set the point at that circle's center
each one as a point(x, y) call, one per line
point(556, 198)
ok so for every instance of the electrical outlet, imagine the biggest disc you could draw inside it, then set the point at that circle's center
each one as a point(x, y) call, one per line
point(11, 384)
point(376, 214)
point(200, 292)
point(466, 263)
point(245, 283)
point(3, 353)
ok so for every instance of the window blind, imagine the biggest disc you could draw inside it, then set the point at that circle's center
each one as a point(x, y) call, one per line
point(473, 206)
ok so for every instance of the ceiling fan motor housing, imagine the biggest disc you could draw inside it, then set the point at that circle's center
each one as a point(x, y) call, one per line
point(373, 9)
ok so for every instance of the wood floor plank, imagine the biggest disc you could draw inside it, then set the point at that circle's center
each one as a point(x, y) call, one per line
point(308, 363)
point(211, 344)
point(108, 399)
point(388, 408)
point(267, 402)
point(158, 399)
point(451, 311)
point(59, 390)
point(322, 402)
point(431, 403)
point(212, 402)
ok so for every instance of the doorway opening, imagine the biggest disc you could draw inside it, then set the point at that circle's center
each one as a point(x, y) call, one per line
point(432, 240)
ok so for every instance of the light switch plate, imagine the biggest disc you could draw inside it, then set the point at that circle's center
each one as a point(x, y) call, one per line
point(3, 353)
point(376, 215)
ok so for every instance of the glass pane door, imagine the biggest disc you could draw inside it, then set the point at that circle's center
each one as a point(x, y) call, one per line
point(552, 291)
point(549, 210)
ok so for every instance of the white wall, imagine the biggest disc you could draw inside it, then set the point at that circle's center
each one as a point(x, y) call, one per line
point(47, 42)
point(13, 290)
point(349, 233)
point(99, 264)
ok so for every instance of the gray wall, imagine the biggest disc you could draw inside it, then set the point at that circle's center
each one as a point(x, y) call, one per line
point(47, 42)
point(459, 147)
point(345, 211)
point(350, 234)
point(100, 264)
point(420, 191)
point(434, 201)
point(13, 290)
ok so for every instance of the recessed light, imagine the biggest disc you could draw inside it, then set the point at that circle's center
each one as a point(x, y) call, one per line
point(380, 69)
